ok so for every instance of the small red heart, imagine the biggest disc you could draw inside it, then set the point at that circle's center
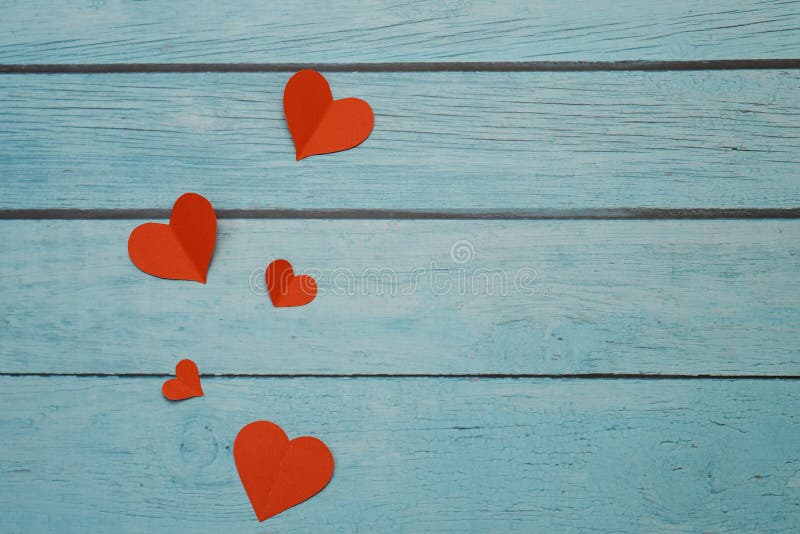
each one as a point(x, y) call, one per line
point(186, 383)
point(182, 249)
point(318, 123)
point(285, 289)
point(277, 473)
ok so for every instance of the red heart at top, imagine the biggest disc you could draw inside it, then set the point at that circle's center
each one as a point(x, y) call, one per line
point(186, 383)
point(277, 473)
point(285, 289)
point(182, 249)
point(318, 123)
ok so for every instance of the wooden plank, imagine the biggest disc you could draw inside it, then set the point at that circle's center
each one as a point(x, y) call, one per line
point(412, 455)
point(108, 31)
point(494, 141)
point(538, 297)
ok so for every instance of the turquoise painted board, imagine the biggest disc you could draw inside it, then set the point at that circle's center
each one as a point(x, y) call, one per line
point(418, 455)
point(187, 31)
point(493, 141)
point(686, 297)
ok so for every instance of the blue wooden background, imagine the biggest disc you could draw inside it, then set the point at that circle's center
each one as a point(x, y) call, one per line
point(554, 297)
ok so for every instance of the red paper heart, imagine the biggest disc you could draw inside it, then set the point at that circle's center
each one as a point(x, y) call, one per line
point(277, 473)
point(182, 249)
point(186, 383)
point(285, 289)
point(318, 123)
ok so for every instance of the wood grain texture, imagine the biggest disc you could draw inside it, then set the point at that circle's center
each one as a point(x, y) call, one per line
point(538, 297)
point(419, 455)
point(107, 31)
point(442, 141)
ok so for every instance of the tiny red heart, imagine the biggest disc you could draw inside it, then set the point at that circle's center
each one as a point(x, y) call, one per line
point(277, 473)
point(182, 249)
point(186, 383)
point(318, 123)
point(285, 289)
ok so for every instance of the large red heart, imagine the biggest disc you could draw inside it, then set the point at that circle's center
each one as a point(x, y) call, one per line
point(182, 249)
point(318, 123)
point(186, 383)
point(277, 473)
point(285, 289)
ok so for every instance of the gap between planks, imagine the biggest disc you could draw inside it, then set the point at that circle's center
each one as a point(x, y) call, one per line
point(482, 376)
point(380, 214)
point(446, 66)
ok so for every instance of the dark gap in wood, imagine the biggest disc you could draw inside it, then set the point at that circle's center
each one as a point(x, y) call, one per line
point(380, 214)
point(436, 66)
point(583, 376)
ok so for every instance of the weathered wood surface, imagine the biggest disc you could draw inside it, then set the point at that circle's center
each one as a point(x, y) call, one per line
point(683, 297)
point(190, 31)
point(91, 454)
point(442, 141)
point(412, 455)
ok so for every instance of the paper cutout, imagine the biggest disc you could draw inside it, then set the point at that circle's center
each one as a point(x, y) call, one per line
point(318, 123)
point(285, 289)
point(277, 473)
point(186, 383)
point(182, 249)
